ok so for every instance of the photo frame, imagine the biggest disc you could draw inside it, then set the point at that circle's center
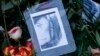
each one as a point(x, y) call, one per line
point(49, 29)
point(49, 17)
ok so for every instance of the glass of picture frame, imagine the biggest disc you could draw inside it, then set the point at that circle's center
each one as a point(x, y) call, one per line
point(49, 29)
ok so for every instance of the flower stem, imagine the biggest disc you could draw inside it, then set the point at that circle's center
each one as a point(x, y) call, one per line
point(5, 27)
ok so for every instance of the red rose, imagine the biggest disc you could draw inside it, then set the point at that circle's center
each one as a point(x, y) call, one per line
point(23, 51)
point(30, 50)
point(9, 50)
point(29, 44)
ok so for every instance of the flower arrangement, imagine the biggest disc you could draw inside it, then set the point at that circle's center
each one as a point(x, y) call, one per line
point(18, 50)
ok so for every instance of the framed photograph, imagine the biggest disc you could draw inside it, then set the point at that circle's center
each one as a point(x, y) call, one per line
point(49, 29)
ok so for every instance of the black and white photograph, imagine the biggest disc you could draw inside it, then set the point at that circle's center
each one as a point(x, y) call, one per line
point(49, 29)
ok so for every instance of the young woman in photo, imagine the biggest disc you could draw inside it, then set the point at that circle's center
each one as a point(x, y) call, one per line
point(47, 30)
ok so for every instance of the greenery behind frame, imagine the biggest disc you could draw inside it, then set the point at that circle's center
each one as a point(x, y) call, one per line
point(86, 34)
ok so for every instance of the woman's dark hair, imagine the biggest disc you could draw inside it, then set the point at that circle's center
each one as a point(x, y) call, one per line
point(54, 30)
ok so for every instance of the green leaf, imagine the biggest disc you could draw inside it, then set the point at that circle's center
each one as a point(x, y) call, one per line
point(6, 6)
point(98, 38)
point(70, 13)
point(83, 27)
point(14, 2)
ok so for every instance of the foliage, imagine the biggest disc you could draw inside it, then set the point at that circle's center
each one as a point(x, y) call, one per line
point(86, 34)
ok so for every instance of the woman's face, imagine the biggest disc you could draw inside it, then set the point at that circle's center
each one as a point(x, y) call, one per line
point(42, 30)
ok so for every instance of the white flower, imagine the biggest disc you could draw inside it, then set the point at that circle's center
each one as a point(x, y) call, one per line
point(15, 33)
